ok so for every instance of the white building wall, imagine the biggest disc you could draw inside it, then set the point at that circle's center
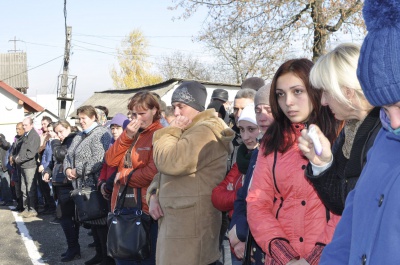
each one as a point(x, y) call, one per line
point(50, 102)
point(10, 114)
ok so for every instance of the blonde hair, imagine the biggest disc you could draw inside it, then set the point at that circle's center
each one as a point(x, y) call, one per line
point(337, 70)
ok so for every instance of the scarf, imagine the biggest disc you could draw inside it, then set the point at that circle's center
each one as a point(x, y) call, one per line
point(386, 123)
point(350, 130)
point(243, 158)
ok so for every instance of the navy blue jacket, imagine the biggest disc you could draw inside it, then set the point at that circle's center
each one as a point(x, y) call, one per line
point(239, 217)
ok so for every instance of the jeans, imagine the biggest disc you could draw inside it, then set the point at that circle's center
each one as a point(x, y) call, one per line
point(152, 259)
point(5, 186)
point(235, 261)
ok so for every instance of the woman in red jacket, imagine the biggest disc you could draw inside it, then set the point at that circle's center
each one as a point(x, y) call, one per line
point(286, 217)
point(224, 195)
point(133, 150)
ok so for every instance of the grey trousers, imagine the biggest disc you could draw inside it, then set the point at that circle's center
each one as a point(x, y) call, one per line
point(29, 188)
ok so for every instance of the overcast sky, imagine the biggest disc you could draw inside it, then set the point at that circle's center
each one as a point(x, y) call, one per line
point(98, 26)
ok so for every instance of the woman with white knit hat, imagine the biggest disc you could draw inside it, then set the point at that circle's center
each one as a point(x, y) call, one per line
point(224, 195)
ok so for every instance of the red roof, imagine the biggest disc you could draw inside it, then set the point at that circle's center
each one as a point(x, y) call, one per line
point(29, 104)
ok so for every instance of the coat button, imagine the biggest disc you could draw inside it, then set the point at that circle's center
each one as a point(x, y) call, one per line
point(301, 239)
point(364, 259)
point(381, 200)
point(303, 167)
point(303, 203)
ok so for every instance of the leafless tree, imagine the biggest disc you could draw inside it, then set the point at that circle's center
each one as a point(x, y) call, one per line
point(254, 36)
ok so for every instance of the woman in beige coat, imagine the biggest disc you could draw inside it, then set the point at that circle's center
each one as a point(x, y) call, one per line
point(191, 156)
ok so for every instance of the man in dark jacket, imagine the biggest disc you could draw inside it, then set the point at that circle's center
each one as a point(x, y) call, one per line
point(15, 171)
point(5, 178)
point(26, 157)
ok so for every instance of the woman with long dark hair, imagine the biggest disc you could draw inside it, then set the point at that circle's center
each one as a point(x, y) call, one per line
point(286, 217)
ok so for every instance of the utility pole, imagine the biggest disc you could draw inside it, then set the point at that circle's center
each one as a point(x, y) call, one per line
point(15, 45)
point(64, 78)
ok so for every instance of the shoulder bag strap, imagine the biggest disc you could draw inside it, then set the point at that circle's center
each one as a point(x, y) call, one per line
point(121, 199)
point(139, 198)
point(83, 137)
point(127, 157)
point(127, 164)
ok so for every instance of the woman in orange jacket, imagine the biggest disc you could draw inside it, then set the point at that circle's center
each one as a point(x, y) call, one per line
point(286, 217)
point(134, 151)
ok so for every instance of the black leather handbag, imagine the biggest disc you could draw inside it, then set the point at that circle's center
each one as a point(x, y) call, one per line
point(129, 230)
point(90, 204)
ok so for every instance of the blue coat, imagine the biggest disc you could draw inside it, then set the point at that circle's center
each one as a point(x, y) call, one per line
point(369, 231)
point(47, 155)
point(239, 217)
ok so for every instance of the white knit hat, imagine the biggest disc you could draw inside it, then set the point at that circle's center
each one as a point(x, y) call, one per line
point(248, 114)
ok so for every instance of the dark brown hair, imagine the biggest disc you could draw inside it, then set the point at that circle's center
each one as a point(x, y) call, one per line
point(103, 108)
point(88, 110)
point(63, 123)
point(274, 138)
point(145, 100)
point(47, 118)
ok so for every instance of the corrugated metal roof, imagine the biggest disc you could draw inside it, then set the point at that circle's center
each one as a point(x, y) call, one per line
point(117, 100)
point(14, 70)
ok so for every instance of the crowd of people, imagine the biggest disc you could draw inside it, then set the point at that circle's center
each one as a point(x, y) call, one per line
point(252, 176)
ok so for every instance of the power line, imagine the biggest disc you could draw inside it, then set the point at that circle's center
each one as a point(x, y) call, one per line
point(94, 44)
point(108, 36)
point(31, 68)
point(40, 44)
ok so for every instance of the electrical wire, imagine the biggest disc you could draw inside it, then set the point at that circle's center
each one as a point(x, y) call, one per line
point(31, 68)
point(105, 36)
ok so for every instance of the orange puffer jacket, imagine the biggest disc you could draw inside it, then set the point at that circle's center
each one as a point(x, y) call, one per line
point(297, 214)
point(142, 161)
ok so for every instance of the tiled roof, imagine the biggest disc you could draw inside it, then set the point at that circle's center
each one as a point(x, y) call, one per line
point(29, 104)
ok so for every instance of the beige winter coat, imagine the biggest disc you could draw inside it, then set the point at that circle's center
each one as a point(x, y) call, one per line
point(191, 163)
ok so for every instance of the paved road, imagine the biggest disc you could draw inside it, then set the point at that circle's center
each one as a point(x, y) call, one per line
point(36, 241)
point(26, 241)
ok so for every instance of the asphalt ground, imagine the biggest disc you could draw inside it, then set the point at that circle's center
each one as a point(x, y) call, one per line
point(35, 241)
point(26, 241)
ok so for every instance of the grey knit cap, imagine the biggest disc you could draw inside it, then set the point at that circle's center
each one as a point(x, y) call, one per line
point(262, 95)
point(191, 93)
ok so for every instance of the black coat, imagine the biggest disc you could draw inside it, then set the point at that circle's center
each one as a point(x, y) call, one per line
point(27, 150)
point(334, 184)
point(4, 146)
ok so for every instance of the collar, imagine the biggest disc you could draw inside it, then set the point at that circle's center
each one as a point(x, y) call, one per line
point(88, 130)
point(298, 127)
point(152, 126)
point(201, 116)
point(26, 134)
point(386, 123)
